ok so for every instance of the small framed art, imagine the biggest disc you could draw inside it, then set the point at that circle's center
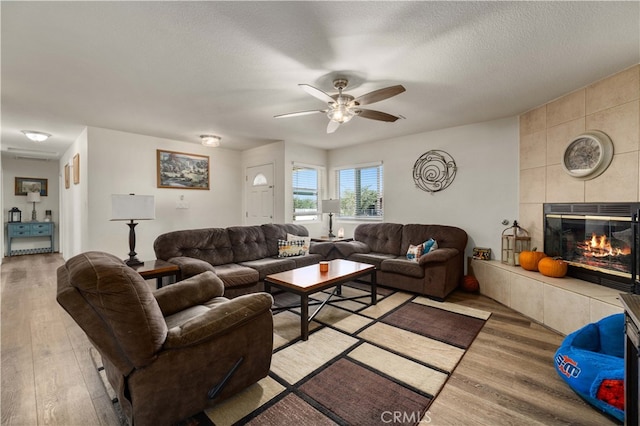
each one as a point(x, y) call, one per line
point(76, 169)
point(482, 253)
point(25, 185)
point(67, 177)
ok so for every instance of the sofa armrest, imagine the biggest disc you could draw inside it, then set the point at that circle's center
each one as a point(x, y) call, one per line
point(323, 248)
point(190, 266)
point(186, 293)
point(438, 255)
point(347, 248)
point(219, 320)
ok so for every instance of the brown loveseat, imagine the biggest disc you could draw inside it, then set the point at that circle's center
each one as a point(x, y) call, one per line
point(169, 353)
point(240, 255)
point(435, 274)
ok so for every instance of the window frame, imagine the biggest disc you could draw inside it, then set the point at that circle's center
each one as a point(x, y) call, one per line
point(317, 214)
point(379, 216)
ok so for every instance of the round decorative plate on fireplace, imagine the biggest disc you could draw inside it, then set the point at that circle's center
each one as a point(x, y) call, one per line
point(588, 155)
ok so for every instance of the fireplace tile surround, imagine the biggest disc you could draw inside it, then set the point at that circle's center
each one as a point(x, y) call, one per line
point(611, 105)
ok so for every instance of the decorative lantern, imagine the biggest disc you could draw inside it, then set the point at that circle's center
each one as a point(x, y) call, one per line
point(514, 241)
point(15, 215)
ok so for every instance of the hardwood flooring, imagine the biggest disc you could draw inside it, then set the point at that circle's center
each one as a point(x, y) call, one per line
point(47, 376)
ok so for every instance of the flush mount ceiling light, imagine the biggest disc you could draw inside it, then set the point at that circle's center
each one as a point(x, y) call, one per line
point(210, 140)
point(36, 136)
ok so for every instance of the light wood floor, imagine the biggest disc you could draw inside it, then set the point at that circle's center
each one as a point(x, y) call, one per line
point(506, 377)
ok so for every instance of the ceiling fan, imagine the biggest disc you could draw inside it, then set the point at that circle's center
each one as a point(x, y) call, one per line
point(342, 107)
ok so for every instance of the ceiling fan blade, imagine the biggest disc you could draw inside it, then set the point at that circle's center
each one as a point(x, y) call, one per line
point(376, 115)
point(332, 126)
point(317, 93)
point(379, 95)
point(299, 113)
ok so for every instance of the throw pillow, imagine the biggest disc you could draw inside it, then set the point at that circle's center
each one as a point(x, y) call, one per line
point(290, 248)
point(414, 252)
point(306, 240)
point(429, 245)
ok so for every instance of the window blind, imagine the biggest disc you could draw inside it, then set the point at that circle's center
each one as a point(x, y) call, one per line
point(305, 193)
point(361, 192)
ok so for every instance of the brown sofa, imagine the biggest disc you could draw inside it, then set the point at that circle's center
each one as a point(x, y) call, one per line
point(240, 255)
point(171, 353)
point(435, 274)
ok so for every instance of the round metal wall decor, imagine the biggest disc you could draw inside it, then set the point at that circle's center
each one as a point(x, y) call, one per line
point(434, 171)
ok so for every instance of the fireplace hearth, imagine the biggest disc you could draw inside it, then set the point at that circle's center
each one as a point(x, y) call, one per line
point(599, 241)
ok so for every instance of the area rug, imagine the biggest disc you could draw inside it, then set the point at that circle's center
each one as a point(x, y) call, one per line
point(362, 364)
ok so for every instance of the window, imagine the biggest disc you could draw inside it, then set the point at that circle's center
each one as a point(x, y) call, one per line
point(305, 193)
point(360, 192)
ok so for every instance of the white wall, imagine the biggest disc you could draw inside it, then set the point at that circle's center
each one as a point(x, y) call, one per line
point(12, 168)
point(123, 163)
point(484, 192)
point(74, 219)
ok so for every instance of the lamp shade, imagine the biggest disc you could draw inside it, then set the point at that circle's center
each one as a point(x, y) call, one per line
point(33, 197)
point(330, 206)
point(132, 207)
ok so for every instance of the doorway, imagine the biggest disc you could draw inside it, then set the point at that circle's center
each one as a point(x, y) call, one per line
point(259, 194)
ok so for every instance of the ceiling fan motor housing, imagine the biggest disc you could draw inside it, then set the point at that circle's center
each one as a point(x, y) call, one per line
point(340, 83)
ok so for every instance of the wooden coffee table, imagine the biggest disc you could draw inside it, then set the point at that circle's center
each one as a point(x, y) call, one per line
point(309, 280)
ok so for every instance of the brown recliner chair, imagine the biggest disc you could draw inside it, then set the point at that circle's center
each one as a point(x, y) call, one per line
point(172, 352)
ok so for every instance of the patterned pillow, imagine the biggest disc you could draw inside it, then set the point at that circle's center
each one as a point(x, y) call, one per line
point(429, 245)
point(414, 252)
point(291, 248)
point(307, 241)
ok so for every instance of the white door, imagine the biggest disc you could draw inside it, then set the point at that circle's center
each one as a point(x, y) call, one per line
point(259, 198)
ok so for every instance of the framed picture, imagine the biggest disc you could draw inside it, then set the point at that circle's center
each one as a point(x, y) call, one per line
point(67, 178)
point(182, 171)
point(481, 253)
point(76, 169)
point(26, 184)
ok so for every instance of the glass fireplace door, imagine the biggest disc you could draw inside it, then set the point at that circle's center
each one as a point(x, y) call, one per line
point(599, 243)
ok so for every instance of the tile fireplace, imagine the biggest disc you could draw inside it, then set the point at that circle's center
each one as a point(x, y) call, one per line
point(599, 241)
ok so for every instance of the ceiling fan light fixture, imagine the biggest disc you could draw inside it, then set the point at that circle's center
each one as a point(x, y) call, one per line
point(36, 136)
point(340, 114)
point(210, 140)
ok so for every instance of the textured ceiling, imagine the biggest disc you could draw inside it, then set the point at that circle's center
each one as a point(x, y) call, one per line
point(180, 69)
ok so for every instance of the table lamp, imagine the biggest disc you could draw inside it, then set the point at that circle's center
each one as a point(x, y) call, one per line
point(331, 207)
point(33, 197)
point(132, 207)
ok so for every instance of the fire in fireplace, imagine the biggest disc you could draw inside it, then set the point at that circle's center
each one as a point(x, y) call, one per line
point(599, 252)
point(598, 240)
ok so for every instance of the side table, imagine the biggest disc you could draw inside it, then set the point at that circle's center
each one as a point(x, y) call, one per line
point(158, 269)
point(29, 230)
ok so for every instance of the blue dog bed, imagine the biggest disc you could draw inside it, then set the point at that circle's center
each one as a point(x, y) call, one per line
point(591, 361)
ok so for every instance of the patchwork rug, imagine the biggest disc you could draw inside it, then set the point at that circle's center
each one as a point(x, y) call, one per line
point(362, 364)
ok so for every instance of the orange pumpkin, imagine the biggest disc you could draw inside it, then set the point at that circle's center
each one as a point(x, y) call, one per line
point(529, 259)
point(553, 267)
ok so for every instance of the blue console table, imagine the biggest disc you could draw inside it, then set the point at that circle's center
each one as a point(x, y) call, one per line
point(30, 230)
